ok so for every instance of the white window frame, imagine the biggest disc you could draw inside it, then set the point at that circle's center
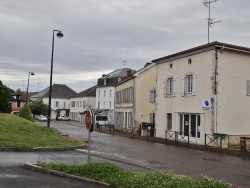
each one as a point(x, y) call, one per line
point(170, 87)
point(188, 86)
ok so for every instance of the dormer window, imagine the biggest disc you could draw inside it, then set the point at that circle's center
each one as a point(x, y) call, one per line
point(105, 82)
point(119, 79)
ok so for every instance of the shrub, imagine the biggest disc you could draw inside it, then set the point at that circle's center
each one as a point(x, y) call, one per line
point(25, 112)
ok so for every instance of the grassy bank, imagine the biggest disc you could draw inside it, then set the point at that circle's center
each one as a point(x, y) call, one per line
point(18, 132)
point(119, 177)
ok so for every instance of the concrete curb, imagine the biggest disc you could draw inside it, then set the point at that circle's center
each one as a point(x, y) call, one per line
point(43, 149)
point(61, 174)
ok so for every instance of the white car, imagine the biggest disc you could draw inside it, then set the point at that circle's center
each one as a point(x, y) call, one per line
point(42, 118)
point(63, 117)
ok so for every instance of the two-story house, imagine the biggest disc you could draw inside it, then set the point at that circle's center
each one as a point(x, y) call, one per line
point(60, 99)
point(81, 102)
point(135, 100)
point(203, 90)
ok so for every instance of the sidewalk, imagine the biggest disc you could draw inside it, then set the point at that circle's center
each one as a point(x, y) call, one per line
point(233, 152)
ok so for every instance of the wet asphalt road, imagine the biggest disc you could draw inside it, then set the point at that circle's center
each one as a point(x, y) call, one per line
point(161, 157)
point(133, 154)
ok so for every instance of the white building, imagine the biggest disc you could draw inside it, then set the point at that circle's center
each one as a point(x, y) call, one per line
point(105, 91)
point(81, 102)
point(204, 90)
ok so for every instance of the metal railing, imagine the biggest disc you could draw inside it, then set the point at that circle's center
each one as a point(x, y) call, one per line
point(177, 137)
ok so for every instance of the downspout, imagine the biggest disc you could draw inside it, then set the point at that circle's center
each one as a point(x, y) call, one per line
point(216, 70)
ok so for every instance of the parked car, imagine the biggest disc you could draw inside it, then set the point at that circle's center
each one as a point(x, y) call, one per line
point(42, 118)
point(63, 117)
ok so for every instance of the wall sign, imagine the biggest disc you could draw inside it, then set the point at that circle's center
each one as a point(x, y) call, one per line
point(206, 104)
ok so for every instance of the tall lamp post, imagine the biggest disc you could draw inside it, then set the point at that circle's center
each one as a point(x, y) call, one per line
point(59, 35)
point(30, 73)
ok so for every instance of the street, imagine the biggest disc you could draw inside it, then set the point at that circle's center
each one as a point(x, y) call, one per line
point(133, 154)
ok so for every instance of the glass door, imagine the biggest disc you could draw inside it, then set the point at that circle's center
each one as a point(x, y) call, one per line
point(190, 125)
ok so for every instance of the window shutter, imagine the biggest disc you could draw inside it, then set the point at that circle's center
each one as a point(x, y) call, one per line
point(151, 118)
point(248, 87)
point(194, 84)
point(151, 96)
point(182, 86)
point(174, 86)
point(165, 88)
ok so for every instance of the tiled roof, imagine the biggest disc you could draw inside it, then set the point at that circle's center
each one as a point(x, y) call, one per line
point(59, 91)
point(211, 44)
point(90, 92)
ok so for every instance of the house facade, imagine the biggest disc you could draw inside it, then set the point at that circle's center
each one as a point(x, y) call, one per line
point(145, 98)
point(105, 91)
point(203, 90)
point(60, 99)
point(81, 102)
point(124, 104)
point(135, 100)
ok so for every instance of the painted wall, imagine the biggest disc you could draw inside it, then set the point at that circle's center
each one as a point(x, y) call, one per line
point(203, 67)
point(107, 99)
point(124, 111)
point(233, 103)
point(144, 82)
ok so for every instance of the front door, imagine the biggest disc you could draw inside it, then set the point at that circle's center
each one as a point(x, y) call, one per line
point(190, 125)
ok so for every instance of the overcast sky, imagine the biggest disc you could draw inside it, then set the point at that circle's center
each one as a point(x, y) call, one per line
point(99, 35)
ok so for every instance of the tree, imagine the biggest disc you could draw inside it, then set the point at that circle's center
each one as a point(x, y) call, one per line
point(5, 96)
point(38, 107)
point(25, 112)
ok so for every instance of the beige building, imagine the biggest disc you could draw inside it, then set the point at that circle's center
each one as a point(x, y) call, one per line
point(124, 98)
point(203, 90)
point(135, 99)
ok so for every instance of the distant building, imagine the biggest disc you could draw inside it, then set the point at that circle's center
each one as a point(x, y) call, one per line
point(105, 91)
point(81, 102)
point(60, 99)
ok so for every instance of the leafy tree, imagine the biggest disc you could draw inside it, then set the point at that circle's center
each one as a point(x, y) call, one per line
point(25, 112)
point(5, 96)
point(38, 107)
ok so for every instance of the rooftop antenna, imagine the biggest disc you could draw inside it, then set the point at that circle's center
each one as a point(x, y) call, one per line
point(209, 20)
point(124, 63)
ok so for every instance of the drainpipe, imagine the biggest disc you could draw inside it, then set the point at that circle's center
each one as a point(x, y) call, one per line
point(215, 91)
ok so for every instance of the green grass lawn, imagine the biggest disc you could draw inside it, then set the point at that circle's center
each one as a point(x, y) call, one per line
point(119, 177)
point(18, 132)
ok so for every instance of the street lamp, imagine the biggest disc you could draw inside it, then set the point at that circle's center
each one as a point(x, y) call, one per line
point(30, 73)
point(59, 35)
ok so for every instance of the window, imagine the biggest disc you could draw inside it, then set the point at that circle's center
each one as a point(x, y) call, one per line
point(188, 85)
point(119, 79)
point(83, 103)
point(98, 107)
point(103, 105)
point(189, 61)
point(152, 96)
point(64, 104)
point(57, 104)
point(169, 121)
point(73, 103)
point(109, 105)
point(169, 87)
point(105, 82)
point(170, 66)
point(104, 94)
point(110, 93)
point(99, 94)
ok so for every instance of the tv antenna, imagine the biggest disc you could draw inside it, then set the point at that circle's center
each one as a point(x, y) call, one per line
point(210, 21)
point(124, 63)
